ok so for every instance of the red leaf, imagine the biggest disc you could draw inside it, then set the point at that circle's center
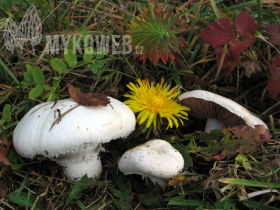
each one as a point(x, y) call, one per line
point(238, 46)
point(230, 62)
point(274, 28)
point(4, 159)
point(250, 138)
point(273, 84)
point(226, 153)
point(218, 33)
point(4, 151)
point(88, 99)
point(230, 144)
point(245, 25)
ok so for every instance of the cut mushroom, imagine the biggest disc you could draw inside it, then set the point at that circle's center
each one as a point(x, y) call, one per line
point(156, 159)
point(72, 134)
point(204, 104)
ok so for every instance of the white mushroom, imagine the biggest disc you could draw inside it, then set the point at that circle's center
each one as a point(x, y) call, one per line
point(217, 109)
point(156, 159)
point(72, 134)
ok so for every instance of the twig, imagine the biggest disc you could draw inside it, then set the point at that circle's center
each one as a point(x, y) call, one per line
point(43, 194)
point(221, 62)
point(60, 117)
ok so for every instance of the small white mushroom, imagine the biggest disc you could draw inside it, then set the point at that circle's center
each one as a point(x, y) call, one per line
point(72, 134)
point(218, 110)
point(156, 159)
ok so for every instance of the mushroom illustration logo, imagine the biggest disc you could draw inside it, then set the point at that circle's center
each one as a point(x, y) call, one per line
point(30, 29)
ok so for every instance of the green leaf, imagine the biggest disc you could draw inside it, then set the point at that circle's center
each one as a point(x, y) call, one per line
point(29, 68)
point(77, 189)
point(21, 200)
point(67, 23)
point(12, 156)
point(7, 112)
point(85, 37)
point(11, 125)
point(270, 174)
point(257, 205)
point(123, 193)
point(70, 58)
point(108, 76)
point(58, 65)
point(57, 78)
point(88, 54)
point(9, 71)
point(25, 84)
point(38, 75)
point(94, 69)
point(187, 158)
point(47, 87)
point(17, 166)
point(99, 56)
point(99, 64)
point(28, 75)
point(242, 159)
point(35, 92)
point(251, 183)
point(183, 202)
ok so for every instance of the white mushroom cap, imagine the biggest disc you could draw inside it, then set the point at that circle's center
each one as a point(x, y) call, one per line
point(54, 129)
point(155, 159)
point(82, 126)
point(216, 106)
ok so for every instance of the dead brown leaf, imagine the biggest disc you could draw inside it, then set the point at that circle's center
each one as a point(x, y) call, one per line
point(273, 165)
point(88, 99)
point(251, 67)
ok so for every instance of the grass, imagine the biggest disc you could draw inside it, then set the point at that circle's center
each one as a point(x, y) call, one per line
point(32, 77)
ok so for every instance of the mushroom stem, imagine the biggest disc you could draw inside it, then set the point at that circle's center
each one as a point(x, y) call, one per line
point(81, 162)
point(160, 181)
point(212, 124)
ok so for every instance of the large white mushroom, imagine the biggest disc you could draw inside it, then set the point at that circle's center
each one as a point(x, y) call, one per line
point(218, 110)
point(72, 134)
point(156, 159)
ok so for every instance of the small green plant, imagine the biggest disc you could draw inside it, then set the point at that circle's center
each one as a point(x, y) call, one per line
point(154, 34)
point(123, 193)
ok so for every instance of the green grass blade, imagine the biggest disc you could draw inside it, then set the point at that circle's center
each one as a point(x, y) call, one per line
point(251, 183)
point(215, 9)
point(9, 71)
point(90, 15)
point(258, 205)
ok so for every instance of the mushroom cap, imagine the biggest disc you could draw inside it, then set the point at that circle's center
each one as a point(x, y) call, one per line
point(204, 104)
point(155, 158)
point(56, 128)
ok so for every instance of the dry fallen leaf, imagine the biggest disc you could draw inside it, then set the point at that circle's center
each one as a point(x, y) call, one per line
point(88, 99)
point(176, 181)
point(273, 165)
point(251, 67)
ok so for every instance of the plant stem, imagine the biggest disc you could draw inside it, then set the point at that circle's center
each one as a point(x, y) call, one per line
point(259, 53)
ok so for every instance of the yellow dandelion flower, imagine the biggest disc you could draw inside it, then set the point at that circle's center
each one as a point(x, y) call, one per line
point(153, 101)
